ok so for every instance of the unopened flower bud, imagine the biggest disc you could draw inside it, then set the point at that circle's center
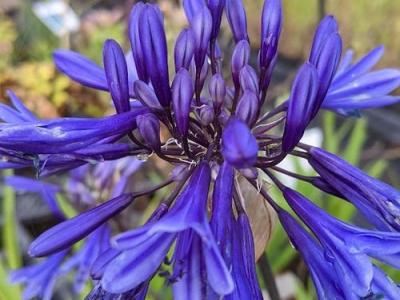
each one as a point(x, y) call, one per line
point(136, 45)
point(301, 104)
point(117, 75)
point(271, 26)
point(182, 95)
point(206, 114)
point(247, 108)
point(217, 90)
point(146, 95)
point(149, 128)
point(239, 146)
point(154, 49)
point(223, 118)
point(248, 79)
point(230, 95)
point(240, 58)
point(326, 62)
point(237, 19)
point(184, 49)
point(201, 26)
point(216, 8)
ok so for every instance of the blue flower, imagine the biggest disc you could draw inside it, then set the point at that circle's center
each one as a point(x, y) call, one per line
point(328, 285)
point(187, 219)
point(46, 190)
point(97, 243)
point(376, 200)
point(243, 258)
point(356, 87)
point(65, 135)
point(82, 261)
point(210, 124)
point(40, 278)
point(347, 247)
point(321, 270)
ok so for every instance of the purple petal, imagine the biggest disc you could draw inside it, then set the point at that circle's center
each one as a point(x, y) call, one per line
point(217, 89)
point(201, 27)
point(222, 216)
point(69, 232)
point(191, 7)
point(191, 267)
point(240, 58)
point(382, 285)
point(189, 210)
point(236, 15)
point(216, 8)
point(184, 49)
point(357, 103)
point(10, 115)
point(146, 95)
point(243, 261)
point(206, 114)
point(326, 27)
point(102, 261)
point(345, 64)
point(182, 94)
point(376, 83)
point(132, 238)
point(354, 265)
point(132, 267)
point(271, 26)
point(365, 64)
point(149, 128)
point(154, 49)
point(80, 69)
point(19, 105)
point(132, 72)
point(117, 75)
point(136, 45)
point(65, 134)
point(321, 270)
point(47, 190)
point(248, 107)
point(301, 105)
point(248, 79)
point(326, 62)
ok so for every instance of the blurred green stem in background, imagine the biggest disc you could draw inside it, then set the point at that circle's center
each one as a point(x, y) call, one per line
point(12, 252)
point(10, 241)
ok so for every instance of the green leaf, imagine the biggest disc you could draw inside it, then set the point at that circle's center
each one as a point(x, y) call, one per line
point(352, 152)
point(65, 206)
point(284, 258)
point(330, 142)
point(301, 292)
point(377, 168)
point(7, 290)
point(10, 236)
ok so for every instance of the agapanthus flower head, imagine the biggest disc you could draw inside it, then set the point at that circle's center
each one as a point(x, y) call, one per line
point(211, 124)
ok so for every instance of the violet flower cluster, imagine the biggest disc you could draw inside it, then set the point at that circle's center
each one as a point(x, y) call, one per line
point(85, 186)
point(218, 127)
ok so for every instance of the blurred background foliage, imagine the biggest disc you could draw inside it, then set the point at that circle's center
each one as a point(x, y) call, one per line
point(26, 46)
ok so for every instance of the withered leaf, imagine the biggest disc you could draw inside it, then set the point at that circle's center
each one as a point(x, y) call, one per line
point(261, 215)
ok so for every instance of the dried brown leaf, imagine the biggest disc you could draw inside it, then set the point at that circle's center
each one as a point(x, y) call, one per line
point(261, 215)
